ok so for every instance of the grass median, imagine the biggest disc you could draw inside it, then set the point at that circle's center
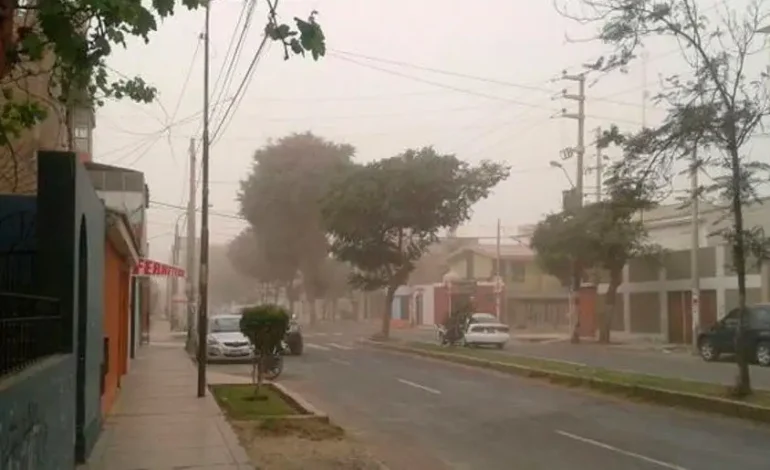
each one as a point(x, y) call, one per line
point(596, 374)
point(239, 403)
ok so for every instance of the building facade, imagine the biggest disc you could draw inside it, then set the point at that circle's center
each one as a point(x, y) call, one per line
point(532, 299)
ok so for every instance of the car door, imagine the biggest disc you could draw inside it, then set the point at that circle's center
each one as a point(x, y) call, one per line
point(759, 324)
point(724, 332)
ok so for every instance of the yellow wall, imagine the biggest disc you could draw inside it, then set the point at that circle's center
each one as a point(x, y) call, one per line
point(535, 281)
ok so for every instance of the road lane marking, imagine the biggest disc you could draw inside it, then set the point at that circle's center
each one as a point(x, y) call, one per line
point(340, 361)
point(339, 346)
point(317, 346)
point(421, 387)
point(627, 453)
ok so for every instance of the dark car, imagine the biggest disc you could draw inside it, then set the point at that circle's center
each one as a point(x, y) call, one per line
point(720, 338)
point(294, 340)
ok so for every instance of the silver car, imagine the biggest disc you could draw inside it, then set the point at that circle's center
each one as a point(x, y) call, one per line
point(225, 340)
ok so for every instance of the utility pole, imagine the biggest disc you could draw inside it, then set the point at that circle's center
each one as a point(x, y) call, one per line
point(599, 166)
point(498, 274)
point(190, 250)
point(172, 292)
point(695, 248)
point(580, 117)
point(203, 275)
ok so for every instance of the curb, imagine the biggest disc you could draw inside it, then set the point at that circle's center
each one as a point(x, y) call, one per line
point(309, 410)
point(697, 402)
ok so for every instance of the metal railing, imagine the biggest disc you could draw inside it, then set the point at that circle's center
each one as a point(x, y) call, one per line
point(30, 330)
point(17, 269)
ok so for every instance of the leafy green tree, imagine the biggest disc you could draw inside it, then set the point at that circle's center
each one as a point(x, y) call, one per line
point(265, 326)
point(603, 237)
point(280, 199)
point(384, 215)
point(714, 107)
point(67, 43)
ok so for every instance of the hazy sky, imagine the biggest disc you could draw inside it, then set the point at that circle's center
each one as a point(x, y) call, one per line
point(381, 112)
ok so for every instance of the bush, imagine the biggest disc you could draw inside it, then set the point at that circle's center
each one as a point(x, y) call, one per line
point(265, 326)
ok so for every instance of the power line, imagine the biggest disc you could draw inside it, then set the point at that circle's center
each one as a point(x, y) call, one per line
point(227, 215)
point(238, 96)
point(246, 14)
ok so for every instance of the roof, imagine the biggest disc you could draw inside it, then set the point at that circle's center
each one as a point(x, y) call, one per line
point(506, 251)
point(119, 219)
point(103, 167)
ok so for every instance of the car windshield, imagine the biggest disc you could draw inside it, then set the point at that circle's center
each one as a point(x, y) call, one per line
point(225, 325)
point(483, 318)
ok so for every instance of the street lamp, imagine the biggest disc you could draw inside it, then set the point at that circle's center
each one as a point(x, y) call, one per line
point(558, 165)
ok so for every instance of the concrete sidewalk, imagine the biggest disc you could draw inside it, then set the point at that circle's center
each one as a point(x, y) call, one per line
point(158, 423)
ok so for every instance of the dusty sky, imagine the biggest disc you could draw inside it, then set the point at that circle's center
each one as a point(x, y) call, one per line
point(379, 107)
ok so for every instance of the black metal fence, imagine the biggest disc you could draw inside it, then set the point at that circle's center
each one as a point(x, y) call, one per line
point(17, 271)
point(30, 330)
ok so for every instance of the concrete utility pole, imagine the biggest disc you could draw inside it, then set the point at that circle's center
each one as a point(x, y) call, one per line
point(695, 248)
point(174, 288)
point(599, 166)
point(190, 250)
point(203, 274)
point(498, 274)
point(580, 151)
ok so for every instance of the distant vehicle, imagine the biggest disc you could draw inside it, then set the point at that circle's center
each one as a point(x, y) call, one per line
point(484, 329)
point(225, 340)
point(720, 338)
point(295, 344)
point(481, 329)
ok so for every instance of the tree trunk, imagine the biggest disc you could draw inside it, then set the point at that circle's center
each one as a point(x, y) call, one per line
point(388, 312)
point(616, 277)
point(575, 305)
point(311, 310)
point(743, 379)
point(260, 373)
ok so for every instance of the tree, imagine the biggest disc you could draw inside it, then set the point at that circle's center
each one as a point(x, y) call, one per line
point(712, 112)
point(384, 215)
point(68, 42)
point(263, 261)
point(280, 199)
point(226, 284)
point(265, 326)
point(602, 236)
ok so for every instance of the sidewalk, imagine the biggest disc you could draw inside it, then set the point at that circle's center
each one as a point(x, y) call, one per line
point(158, 423)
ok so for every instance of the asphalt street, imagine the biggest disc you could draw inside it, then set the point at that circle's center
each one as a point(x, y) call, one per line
point(681, 365)
point(425, 415)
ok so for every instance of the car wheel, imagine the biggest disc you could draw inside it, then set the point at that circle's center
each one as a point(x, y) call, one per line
point(708, 351)
point(500, 345)
point(763, 354)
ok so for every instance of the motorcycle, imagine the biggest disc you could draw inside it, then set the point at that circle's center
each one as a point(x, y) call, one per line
point(274, 363)
point(450, 336)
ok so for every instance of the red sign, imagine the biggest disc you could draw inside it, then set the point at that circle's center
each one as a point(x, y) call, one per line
point(148, 267)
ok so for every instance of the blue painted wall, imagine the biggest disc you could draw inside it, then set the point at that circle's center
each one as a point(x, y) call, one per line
point(89, 208)
point(37, 432)
point(66, 199)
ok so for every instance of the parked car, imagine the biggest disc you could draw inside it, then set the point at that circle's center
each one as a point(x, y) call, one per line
point(484, 329)
point(720, 338)
point(225, 340)
point(294, 341)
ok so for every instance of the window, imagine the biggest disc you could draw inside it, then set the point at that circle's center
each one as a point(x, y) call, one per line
point(731, 319)
point(81, 132)
point(515, 271)
point(760, 318)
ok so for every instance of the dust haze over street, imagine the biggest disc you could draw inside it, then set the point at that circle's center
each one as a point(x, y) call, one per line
point(424, 414)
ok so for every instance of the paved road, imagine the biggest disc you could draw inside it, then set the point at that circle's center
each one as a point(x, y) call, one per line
point(429, 415)
point(675, 365)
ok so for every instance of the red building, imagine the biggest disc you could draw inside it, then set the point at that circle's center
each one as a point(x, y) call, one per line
point(121, 253)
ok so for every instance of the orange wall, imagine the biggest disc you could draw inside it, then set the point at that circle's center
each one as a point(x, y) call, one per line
point(115, 322)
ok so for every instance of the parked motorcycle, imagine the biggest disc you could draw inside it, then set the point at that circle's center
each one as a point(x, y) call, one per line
point(274, 363)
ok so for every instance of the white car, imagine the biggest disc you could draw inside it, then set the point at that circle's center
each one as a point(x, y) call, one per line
point(485, 329)
point(225, 340)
